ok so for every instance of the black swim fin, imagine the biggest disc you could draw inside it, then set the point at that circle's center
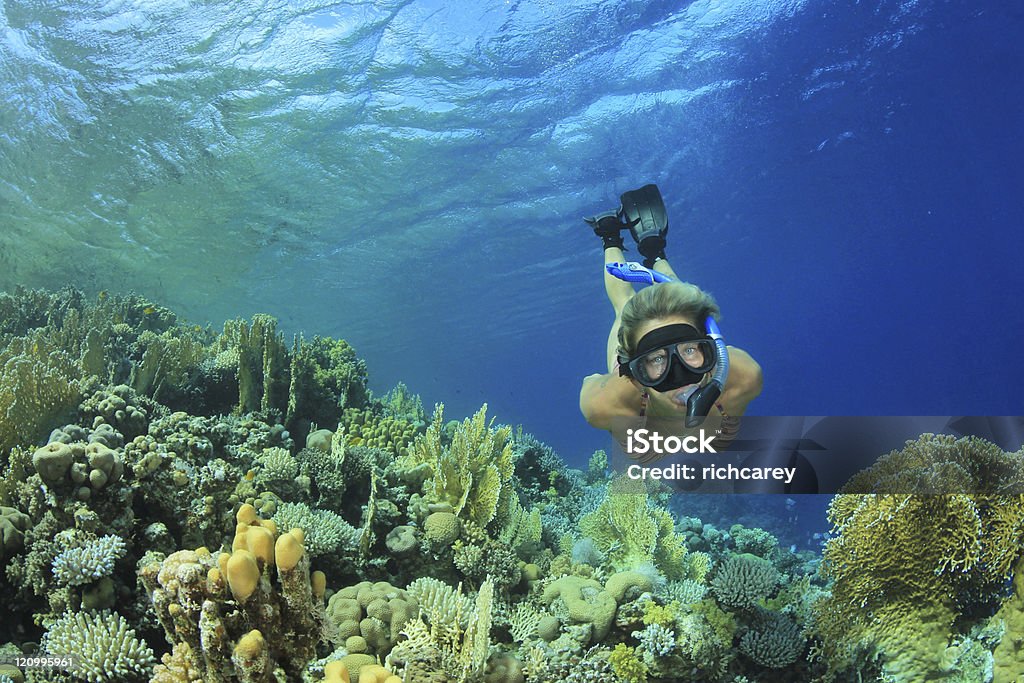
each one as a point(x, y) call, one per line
point(608, 227)
point(644, 211)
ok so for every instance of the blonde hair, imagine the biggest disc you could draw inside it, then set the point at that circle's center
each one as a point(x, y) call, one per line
point(663, 300)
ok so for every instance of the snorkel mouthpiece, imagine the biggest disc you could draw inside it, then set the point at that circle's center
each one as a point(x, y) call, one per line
point(700, 402)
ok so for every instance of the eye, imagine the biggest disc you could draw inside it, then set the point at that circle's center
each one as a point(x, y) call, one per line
point(658, 358)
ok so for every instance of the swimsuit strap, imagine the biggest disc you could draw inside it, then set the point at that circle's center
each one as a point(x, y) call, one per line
point(730, 425)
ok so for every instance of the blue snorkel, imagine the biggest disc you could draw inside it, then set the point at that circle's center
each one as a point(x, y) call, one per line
point(699, 404)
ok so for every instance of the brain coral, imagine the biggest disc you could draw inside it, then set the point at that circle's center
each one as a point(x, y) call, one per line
point(374, 611)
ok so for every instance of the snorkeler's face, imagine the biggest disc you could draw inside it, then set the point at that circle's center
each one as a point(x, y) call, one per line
point(682, 374)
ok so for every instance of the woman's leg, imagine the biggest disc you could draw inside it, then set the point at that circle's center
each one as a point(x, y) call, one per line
point(663, 267)
point(619, 292)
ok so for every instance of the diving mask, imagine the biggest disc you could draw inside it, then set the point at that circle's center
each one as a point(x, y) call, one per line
point(670, 357)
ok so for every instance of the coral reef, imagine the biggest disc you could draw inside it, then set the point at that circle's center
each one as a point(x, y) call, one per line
point(178, 504)
point(472, 474)
point(743, 581)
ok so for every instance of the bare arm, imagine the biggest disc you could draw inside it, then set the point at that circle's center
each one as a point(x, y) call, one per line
point(605, 397)
point(744, 384)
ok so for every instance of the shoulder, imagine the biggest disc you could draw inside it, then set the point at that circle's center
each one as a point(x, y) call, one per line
point(746, 380)
point(605, 397)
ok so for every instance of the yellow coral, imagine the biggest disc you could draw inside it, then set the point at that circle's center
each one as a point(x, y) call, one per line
point(663, 615)
point(473, 474)
point(627, 665)
point(1009, 654)
point(243, 574)
point(364, 428)
point(631, 531)
point(901, 566)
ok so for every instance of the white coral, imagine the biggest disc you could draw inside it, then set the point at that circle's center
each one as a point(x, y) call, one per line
point(658, 640)
point(106, 648)
point(84, 564)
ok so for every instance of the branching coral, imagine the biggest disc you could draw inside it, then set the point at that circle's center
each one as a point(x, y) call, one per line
point(744, 580)
point(439, 603)
point(456, 650)
point(326, 377)
point(940, 463)
point(627, 664)
point(632, 531)
point(326, 532)
point(473, 474)
point(105, 645)
point(403, 404)
point(84, 564)
point(775, 643)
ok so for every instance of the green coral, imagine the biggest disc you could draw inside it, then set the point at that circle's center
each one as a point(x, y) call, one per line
point(1009, 653)
point(489, 559)
point(167, 361)
point(39, 387)
point(775, 643)
point(699, 565)
point(754, 541)
point(327, 377)
point(630, 530)
point(743, 581)
point(906, 568)
point(940, 463)
point(402, 403)
point(473, 474)
point(262, 362)
point(13, 525)
point(364, 427)
point(721, 623)
point(585, 602)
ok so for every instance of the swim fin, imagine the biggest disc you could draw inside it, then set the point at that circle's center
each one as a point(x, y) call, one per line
point(644, 211)
point(608, 227)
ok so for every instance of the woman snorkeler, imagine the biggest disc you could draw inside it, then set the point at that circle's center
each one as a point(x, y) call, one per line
point(660, 348)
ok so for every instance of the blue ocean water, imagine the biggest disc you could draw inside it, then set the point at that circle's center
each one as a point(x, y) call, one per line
point(410, 175)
